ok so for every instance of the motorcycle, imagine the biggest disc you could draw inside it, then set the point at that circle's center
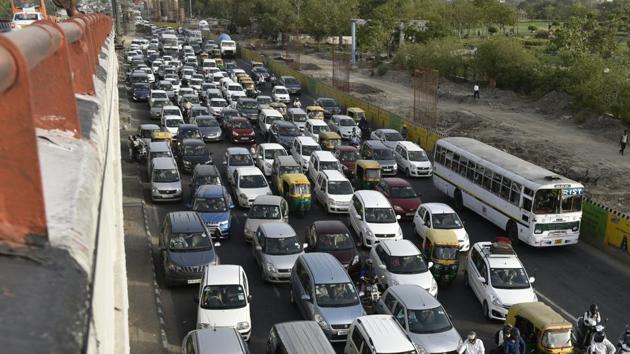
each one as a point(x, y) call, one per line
point(623, 345)
point(583, 335)
point(370, 291)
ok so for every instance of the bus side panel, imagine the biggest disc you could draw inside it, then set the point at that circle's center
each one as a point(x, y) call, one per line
point(442, 185)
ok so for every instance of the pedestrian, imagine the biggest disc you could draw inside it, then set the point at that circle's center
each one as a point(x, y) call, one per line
point(515, 344)
point(472, 345)
point(623, 141)
point(476, 91)
point(404, 132)
point(502, 336)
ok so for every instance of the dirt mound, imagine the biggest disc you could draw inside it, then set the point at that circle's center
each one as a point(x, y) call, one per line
point(363, 89)
point(554, 103)
point(310, 66)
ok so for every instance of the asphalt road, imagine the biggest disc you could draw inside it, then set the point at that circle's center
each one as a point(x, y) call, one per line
point(571, 277)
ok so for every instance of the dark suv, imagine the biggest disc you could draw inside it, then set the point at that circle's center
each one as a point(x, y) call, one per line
point(376, 150)
point(185, 248)
point(332, 236)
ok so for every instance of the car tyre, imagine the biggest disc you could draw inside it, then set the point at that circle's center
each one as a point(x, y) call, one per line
point(486, 311)
point(407, 172)
point(466, 283)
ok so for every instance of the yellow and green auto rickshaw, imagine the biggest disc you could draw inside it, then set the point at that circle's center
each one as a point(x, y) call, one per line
point(367, 174)
point(280, 107)
point(329, 140)
point(203, 56)
point(315, 112)
point(161, 136)
point(543, 329)
point(256, 64)
point(442, 249)
point(250, 88)
point(219, 62)
point(296, 189)
point(281, 165)
point(355, 113)
point(240, 77)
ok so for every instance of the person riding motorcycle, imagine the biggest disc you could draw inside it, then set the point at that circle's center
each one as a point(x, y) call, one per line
point(601, 344)
point(297, 103)
point(472, 345)
point(588, 324)
point(593, 314)
point(134, 147)
point(355, 139)
point(363, 125)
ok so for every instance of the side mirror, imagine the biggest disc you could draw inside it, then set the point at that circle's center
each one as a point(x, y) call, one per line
point(532, 280)
point(249, 298)
point(217, 244)
point(382, 266)
point(259, 248)
point(430, 264)
point(306, 297)
point(398, 217)
point(359, 217)
point(232, 206)
point(481, 279)
point(305, 245)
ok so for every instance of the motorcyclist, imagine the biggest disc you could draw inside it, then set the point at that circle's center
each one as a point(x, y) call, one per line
point(472, 345)
point(355, 139)
point(593, 314)
point(588, 325)
point(134, 147)
point(363, 125)
point(601, 344)
point(502, 336)
point(624, 341)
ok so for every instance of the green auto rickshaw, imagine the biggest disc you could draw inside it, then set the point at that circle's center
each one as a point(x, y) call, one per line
point(442, 249)
point(296, 189)
point(367, 174)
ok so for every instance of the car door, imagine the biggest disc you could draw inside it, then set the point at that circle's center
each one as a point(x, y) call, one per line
point(424, 222)
point(260, 157)
point(353, 215)
point(379, 259)
point(258, 247)
point(312, 168)
point(479, 269)
point(400, 315)
point(305, 287)
point(386, 303)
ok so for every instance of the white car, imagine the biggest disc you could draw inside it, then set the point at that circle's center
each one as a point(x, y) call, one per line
point(149, 73)
point(498, 278)
point(171, 111)
point(313, 127)
point(280, 94)
point(266, 117)
point(389, 137)
point(373, 218)
point(302, 148)
point(216, 105)
point(344, 125)
point(333, 191)
point(265, 155)
point(235, 72)
point(400, 262)
point(187, 73)
point(439, 218)
point(320, 161)
point(412, 160)
point(265, 209)
point(224, 298)
point(234, 158)
point(249, 183)
point(155, 66)
point(172, 123)
point(157, 95)
point(234, 90)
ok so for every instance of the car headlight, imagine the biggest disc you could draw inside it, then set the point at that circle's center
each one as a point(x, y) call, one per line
point(355, 260)
point(495, 300)
point(395, 166)
point(434, 286)
point(398, 208)
point(155, 190)
point(173, 267)
point(242, 196)
point(178, 190)
point(270, 268)
point(235, 133)
point(419, 349)
point(331, 201)
point(187, 163)
point(242, 325)
point(203, 325)
point(320, 321)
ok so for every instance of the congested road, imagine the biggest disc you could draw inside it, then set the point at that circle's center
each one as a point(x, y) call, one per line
point(571, 277)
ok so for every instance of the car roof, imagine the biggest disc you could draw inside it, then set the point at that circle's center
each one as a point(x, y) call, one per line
point(173, 117)
point(373, 199)
point(396, 182)
point(206, 170)
point(164, 163)
point(223, 274)
point(271, 146)
point(346, 148)
point(223, 340)
point(287, 160)
point(277, 230)
point(170, 107)
point(330, 226)
point(185, 221)
point(438, 208)
point(188, 126)
point(341, 116)
point(375, 144)
point(325, 268)
point(296, 110)
point(306, 140)
point(246, 99)
point(386, 130)
point(283, 123)
point(197, 142)
point(237, 151)
point(316, 122)
point(499, 255)
point(334, 175)
point(209, 190)
point(149, 126)
point(159, 146)
point(324, 155)
point(279, 87)
point(268, 200)
point(157, 91)
point(410, 146)
point(303, 337)
point(400, 247)
point(385, 334)
point(270, 112)
point(248, 171)
point(414, 296)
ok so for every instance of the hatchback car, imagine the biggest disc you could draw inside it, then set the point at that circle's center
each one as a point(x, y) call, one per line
point(214, 205)
point(344, 126)
point(333, 191)
point(389, 137)
point(401, 262)
point(280, 94)
point(376, 334)
point(291, 83)
point(204, 174)
point(193, 152)
point(412, 160)
point(440, 218)
point(265, 209)
point(224, 298)
point(376, 150)
point(140, 92)
point(218, 340)
point(209, 128)
point(275, 249)
point(186, 248)
point(248, 107)
point(313, 127)
point(422, 317)
point(333, 237)
point(166, 184)
point(248, 184)
point(303, 147)
point(322, 161)
point(265, 154)
point(373, 218)
point(329, 105)
point(283, 133)
point(234, 158)
point(240, 130)
point(216, 105)
point(297, 116)
point(401, 195)
point(347, 156)
point(172, 123)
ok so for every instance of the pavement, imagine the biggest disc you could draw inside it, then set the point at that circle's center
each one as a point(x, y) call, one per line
point(570, 277)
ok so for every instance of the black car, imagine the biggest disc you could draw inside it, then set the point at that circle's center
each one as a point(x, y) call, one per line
point(291, 83)
point(248, 108)
point(283, 133)
point(186, 131)
point(259, 72)
point(226, 114)
point(185, 248)
point(204, 174)
point(329, 105)
point(333, 236)
point(193, 152)
point(140, 92)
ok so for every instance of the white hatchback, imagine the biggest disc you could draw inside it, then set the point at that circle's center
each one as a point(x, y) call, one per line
point(280, 94)
point(224, 298)
point(333, 190)
point(249, 183)
point(265, 154)
point(373, 218)
point(412, 160)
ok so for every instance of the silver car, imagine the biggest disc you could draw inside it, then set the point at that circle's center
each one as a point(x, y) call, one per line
point(422, 317)
point(265, 209)
point(234, 158)
point(166, 184)
point(275, 249)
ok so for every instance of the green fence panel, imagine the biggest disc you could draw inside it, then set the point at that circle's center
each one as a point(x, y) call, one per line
point(594, 221)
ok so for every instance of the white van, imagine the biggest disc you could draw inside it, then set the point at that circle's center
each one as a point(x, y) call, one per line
point(378, 334)
point(334, 191)
point(302, 148)
point(412, 160)
point(320, 161)
point(313, 127)
point(228, 48)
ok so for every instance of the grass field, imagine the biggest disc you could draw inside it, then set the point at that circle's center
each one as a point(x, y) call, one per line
point(540, 24)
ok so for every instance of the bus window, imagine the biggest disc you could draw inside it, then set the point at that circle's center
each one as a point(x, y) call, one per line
point(479, 174)
point(463, 166)
point(505, 188)
point(455, 166)
point(496, 183)
point(527, 203)
point(515, 195)
point(470, 173)
point(547, 201)
point(487, 179)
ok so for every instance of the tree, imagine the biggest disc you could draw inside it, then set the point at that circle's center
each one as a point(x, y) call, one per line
point(505, 61)
point(5, 10)
point(463, 15)
point(500, 14)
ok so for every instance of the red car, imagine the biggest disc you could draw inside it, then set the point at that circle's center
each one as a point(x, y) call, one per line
point(348, 156)
point(240, 130)
point(401, 195)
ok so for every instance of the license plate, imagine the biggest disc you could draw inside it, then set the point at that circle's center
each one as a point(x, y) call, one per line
point(167, 196)
point(342, 333)
point(244, 138)
point(194, 281)
point(409, 214)
point(557, 242)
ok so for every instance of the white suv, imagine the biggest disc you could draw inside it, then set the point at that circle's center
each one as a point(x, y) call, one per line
point(400, 262)
point(378, 334)
point(333, 190)
point(373, 218)
point(412, 160)
point(498, 278)
point(224, 298)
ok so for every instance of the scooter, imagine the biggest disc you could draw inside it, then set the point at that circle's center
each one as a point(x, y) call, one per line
point(370, 291)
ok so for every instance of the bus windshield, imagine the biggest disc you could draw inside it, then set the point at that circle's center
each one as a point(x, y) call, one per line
point(558, 201)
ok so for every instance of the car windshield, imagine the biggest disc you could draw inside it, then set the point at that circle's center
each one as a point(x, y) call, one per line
point(446, 253)
point(210, 205)
point(279, 246)
point(165, 176)
point(288, 131)
point(348, 155)
point(25, 17)
point(406, 264)
point(218, 103)
point(332, 242)
point(433, 320)
point(380, 215)
point(556, 201)
point(212, 180)
point(556, 339)
point(195, 82)
point(171, 112)
point(326, 102)
point(290, 169)
point(417, 156)
point(373, 173)
point(247, 104)
point(222, 297)
point(383, 154)
point(156, 95)
point(281, 91)
point(252, 181)
point(229, 113)
point(160, 154)
point(271, 119)
point(235, 88)
point(446, 221)
point(340, 187)
point(271, 154)
point(320, 128)
point(336, 295)
point(263, 100)
point(241, 160)
point(328, 165)
point(307, 150)
point(190, 241)
point(509, 278)
point(190, 134)
point(141, 86)
point(207, 123)
point(393, 136)
point(241, 124)
point(299, 118)
point(346, 123)
point(260, 70)
point(291, 81)
point(267, 212)
point(166, 86)
point(403, 192)
point(196, 150)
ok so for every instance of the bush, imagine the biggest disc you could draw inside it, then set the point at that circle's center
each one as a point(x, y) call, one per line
point(381, 69)
point(542, 34)
point(506, 61)
point(492, 30)
point(532, 28)
point(446, 55)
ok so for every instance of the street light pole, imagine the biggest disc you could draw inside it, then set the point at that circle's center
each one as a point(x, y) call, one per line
point(355, 22)
point(190, 16)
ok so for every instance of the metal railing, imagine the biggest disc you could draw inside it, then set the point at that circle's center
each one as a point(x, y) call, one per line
point(42, 67)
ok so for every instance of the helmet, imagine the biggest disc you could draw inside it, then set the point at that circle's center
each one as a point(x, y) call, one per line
point(599, 337)
point(594, 308)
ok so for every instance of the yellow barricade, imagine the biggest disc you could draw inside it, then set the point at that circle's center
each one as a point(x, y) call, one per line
point(618, 232)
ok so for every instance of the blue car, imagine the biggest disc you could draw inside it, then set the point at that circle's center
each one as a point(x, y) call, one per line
point(213, 204)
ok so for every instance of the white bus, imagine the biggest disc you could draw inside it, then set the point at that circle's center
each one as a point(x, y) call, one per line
point(530, 203)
